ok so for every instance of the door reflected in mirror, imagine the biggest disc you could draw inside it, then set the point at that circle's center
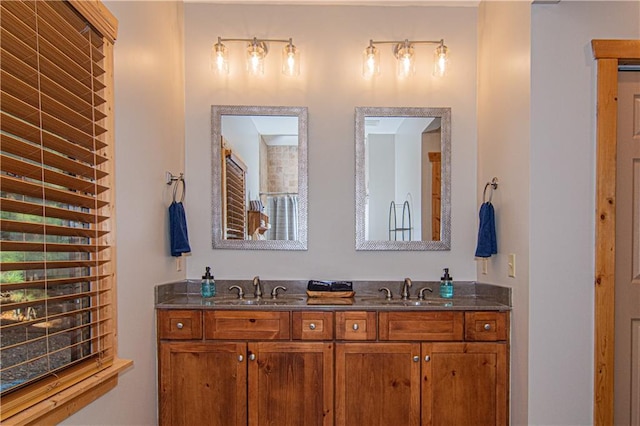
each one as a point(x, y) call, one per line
point(259, 177)
point(403, 178)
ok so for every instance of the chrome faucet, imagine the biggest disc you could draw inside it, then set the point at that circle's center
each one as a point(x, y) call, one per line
point(388, 295)
point(240, 291)
point(274, 292)
point(257, 292)
point(422, 290)
point(406, 285)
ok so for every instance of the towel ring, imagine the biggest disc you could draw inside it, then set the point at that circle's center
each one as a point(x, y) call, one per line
point(176, 180)
point(494, 185)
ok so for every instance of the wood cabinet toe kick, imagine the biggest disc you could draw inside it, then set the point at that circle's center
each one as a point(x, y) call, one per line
point(319, 367)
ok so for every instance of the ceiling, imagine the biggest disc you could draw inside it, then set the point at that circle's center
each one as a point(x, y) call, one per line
point(275, 125)
point(456, 3)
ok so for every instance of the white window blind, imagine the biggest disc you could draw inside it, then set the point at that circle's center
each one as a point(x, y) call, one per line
point(56, 277)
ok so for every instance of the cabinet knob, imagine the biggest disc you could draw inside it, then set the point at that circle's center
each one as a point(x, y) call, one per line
point(179, 325)
point(416, 358)
point(487, 327)
point(240, 358)
point(312, 326)
point(427, 358)
point(355, 326)
point(252, 357)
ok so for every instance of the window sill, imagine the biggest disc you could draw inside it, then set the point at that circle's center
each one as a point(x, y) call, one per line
point(63, 404)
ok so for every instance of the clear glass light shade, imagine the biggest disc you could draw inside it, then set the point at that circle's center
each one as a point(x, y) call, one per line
point(219, 59)
point(370, 62)
point(255, 58)
point(290, 61)
point(406, 61)
point(440, 61)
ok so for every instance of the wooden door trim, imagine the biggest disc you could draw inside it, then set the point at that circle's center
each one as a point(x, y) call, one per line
point(608, 53)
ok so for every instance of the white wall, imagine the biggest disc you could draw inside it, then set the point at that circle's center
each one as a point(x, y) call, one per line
point(503, 152)
point(331, 86)
point(409, 174)
point(382, 165)
point(562, 206)
point(149, 107)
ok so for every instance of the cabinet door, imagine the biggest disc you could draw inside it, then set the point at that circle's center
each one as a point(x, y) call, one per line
point(464, 384)
point(203, 384)
point(378, 384)
point(290, 384)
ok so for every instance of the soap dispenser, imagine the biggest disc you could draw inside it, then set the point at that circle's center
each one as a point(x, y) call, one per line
point(446, 285)
point(208, 288)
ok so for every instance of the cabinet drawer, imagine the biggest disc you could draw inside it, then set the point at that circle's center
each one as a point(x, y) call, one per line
point(246, 325)
point(356, 325)
point(181, 325)
point(312, 325)
point(485, 326)
point(442, 326)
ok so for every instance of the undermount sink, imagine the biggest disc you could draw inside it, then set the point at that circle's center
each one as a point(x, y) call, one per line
point(436, 302)
point(377, 300)
point(260, 302)
point(282, 301)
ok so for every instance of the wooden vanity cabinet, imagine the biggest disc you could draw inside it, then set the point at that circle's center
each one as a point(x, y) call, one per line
point(414, 368)
point(258, 222)
point(246, 371)
point(426, 370)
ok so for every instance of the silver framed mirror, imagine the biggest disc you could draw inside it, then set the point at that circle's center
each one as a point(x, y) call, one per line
point(259, 177)
point(403, 178)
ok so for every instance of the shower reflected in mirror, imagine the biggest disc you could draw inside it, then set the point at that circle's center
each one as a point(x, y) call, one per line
point(259, 177)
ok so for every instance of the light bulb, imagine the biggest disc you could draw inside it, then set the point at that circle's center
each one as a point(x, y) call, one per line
point(219, 58)
point(256, 51)
point(406, 63)
point(440, 61)
point(370, 61)
point(290, 60)
point(256, 66)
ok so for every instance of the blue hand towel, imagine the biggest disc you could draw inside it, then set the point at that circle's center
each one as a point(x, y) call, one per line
point(178, 230)
point(487, 244)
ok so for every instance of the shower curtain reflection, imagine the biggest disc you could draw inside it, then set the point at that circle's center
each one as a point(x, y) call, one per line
point(283, 217)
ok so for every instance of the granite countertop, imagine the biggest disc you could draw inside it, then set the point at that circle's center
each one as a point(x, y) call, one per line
point(467, 296)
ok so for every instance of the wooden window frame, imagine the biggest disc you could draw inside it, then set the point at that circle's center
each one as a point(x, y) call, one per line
point(83, 385)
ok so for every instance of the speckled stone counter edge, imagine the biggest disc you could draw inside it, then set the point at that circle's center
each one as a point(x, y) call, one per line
point(467, 294)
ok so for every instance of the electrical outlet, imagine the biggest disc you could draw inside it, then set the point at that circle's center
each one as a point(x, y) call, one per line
point(511, 263)
point(485, 266)
point(179, 263)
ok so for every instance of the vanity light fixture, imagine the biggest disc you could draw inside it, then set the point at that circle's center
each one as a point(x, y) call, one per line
point(257, 50)
point(405, 55)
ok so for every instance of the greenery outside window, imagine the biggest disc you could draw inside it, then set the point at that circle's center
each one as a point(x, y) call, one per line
point(57, 252)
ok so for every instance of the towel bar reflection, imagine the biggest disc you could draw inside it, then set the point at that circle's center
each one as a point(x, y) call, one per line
point(176, 180)
point(494, 185)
